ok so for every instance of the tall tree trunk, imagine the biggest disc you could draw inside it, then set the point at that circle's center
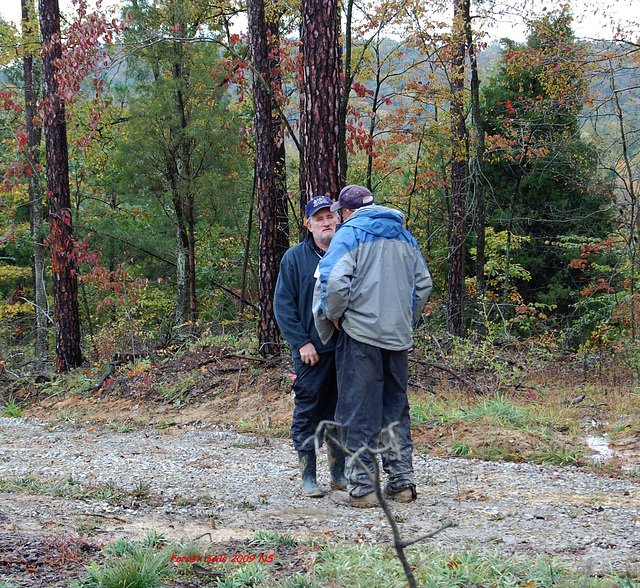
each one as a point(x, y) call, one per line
point(458, 175)
point(34, 134)
point(319, 100)
point(63, 266)
point(280, 159)
point(268, 333)
point(179, 172)
point(375, 105)
point(191, 236)
point(345, 93)
point(477, 175)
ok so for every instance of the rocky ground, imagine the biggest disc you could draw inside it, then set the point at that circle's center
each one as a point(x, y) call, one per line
point(70, 488)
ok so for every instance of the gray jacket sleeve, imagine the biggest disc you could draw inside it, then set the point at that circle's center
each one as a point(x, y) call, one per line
point(324, 326)
point(423, 285)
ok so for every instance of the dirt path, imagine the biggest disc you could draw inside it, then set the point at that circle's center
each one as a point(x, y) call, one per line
point(196, 479)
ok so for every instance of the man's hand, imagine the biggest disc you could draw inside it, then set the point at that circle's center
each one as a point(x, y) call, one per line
point(336, 324)
point(308, 354)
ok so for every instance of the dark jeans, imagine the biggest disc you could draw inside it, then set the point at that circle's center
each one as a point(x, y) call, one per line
point(315, 398)
point(372, 394)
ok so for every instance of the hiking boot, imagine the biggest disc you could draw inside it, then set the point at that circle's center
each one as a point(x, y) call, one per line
point(367, 501)
point(407, 494)
point(307, 464)
point(335, 456)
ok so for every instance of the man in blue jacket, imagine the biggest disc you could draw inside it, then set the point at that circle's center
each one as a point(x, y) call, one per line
point(314, 361)
point(373, 284)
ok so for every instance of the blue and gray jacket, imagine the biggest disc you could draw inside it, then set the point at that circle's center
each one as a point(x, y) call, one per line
point(294, 297)
point(373, 279)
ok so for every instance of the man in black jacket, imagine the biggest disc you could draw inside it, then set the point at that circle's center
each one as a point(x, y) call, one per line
point(314, 362)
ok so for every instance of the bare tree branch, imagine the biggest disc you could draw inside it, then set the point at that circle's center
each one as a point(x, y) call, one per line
point(389, 443)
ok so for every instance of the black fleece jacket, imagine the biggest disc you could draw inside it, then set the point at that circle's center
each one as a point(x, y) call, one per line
point(294, 297)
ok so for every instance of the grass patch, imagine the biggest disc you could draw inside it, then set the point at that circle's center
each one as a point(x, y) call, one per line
point(459, 449)
point(502, 412)
point(148, 564)
point(435, 413)
point(120, 426)
point(69, 489)
point(262, 427)
point(144, 565)
point(560, 457)
point(272, 539)
point(11, 409)
point(498, 411)
point(347, 566)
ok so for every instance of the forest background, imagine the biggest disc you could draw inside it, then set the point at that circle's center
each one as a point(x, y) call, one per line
point(515, 164)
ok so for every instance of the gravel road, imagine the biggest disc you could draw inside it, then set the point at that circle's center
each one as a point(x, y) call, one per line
point(196, 479)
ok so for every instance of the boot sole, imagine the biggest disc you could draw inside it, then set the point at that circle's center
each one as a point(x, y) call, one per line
point(338, 498)
point(314, 494)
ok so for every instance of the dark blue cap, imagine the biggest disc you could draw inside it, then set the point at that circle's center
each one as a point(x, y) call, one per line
point(315, 204)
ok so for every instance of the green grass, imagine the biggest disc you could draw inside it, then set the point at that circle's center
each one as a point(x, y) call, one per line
point(497, 410)
point(120, 426)
point(11, 409)
point(560, 457)
point(69, 488)
point(346, 566)
point(502, 412)
point(147, 564)
point(262, 427)
point(459, 449)
point(435, 413)
point(272, 539)
point(137, 566)
point(250, 574)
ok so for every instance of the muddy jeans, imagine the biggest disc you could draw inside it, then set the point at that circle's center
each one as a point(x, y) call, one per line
point(372, 394)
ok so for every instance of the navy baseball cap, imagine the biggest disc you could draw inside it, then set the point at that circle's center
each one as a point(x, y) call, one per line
point(353, 197)
point(315, 204)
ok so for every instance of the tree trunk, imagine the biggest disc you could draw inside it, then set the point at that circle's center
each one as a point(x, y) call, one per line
point(180, 172)
point(458, 175)
point(319, 100)
point(268, 333)
point(34, 134)
point(373, 124)
point(477, 176)
point(280, 160)
point(182, 257)
point(346, 91)
point(63, 265)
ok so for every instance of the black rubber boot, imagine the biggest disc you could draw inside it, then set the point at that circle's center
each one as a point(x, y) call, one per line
point(307, 463)
point(336, 458)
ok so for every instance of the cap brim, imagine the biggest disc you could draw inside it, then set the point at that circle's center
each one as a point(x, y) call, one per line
point(335, 207)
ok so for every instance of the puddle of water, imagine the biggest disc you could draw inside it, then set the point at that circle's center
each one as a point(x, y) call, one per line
point(601, 446)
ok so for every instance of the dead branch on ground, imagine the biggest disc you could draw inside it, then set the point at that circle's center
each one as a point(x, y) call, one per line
point(477, 389)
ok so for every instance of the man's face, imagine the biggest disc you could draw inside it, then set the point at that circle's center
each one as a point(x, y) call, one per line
point(322, 225)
